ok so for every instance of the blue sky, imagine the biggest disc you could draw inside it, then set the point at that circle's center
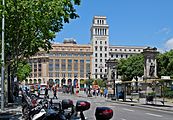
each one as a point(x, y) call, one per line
point(131, 22)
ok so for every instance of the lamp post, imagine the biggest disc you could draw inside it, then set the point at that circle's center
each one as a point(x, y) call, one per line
point(113, 78)
point(89, 95)
point(2, 62)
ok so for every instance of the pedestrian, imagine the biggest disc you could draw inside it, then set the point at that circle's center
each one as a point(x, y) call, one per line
point(46, 93)
point(105, 92)
point(54, 93)
point(38, 92)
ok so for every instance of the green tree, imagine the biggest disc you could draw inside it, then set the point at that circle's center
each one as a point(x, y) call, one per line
point(165, 64)
point(31, 25)
point(101, 83)
point(131, 68)
point(23, 71)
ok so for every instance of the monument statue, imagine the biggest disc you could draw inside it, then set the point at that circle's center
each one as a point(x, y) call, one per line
point(113, 74)
point(152, 68)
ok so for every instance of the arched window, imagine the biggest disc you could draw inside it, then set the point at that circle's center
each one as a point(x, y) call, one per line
point(26, 81)
point(30, 81)
point(39, 81)
point(35, 81)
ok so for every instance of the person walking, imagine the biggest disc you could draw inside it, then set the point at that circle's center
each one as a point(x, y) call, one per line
point(46, 93)
point(105, 92)
point(55, 93)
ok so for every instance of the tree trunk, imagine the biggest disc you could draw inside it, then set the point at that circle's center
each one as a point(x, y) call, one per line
point(10, 95)
point(136, 78)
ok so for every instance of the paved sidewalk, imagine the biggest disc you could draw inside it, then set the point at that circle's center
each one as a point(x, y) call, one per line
point(12, 111)
point(168, 105)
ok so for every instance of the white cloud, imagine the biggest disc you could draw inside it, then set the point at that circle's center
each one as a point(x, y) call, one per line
point(169, 43)
point(164, 30)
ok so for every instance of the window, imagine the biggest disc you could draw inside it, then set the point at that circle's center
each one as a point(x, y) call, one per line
point(35, 67)
point(100, 60)
point(96, 76)
point(39, 74)
point(95, 65)
point(57, 60)
point(95, 42)
point(95, 54)
point(50, 74)
point(50, 67)
point(105, 42)
point(129, 49)
point(126, 56)
point(105, 48)
point(101, 48)
point(81, 68)
point(121, 56)
point(100, 54)
point(95, 60)
point(100, 70)
point(112, 56)
point(39, 67)
point(124, 49)
point(70, 55)
point(116, 56)
point(51, 60)
point(63, 75)
point(96, 70)
point(100, 42)
point(57, 75)
point(63, 64)
point(139, 50)
point(75, 65)
point(69, 65)
point(87, 66)
point(105, 55)
point(35, 75)
point(120, 49)
point(64, 54)
point(69, 75)
point(95, 48)
point(110, 49)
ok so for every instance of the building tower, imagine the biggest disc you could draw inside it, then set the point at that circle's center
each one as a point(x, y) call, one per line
point(100, 44)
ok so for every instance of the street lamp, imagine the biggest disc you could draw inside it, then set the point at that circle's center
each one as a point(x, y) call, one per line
point(113, 78)
point(89, 95)
point(2, 59)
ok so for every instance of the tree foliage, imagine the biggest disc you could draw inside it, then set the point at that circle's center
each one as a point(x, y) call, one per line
point(101, 83)
point(30, 25)
point(24, 70)
point(131, 67)
point(165, 64)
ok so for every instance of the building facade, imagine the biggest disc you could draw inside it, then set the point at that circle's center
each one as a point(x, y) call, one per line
point(66, 63)
point(70, 63)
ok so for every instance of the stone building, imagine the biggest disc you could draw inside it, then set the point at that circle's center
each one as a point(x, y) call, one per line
point(69, 62)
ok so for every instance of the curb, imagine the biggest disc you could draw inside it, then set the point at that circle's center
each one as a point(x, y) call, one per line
point(140, 105)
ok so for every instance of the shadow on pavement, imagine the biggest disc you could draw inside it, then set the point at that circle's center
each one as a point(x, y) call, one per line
point(157, 105)
point(10, 116)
